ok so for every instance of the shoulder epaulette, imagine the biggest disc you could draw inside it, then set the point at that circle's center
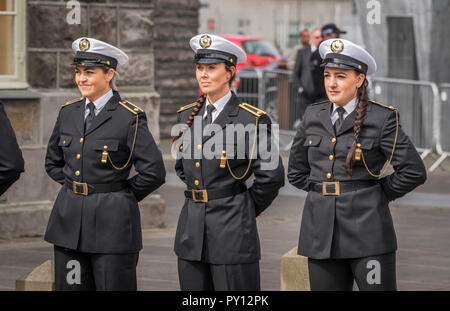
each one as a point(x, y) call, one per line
point(73, 102)
point(321, 102)
point(130, 107)
point(187, 107)
point(252, 109)
point(135, 108)
point(389, 107)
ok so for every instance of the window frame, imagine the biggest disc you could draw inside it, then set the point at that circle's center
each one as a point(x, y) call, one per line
point(17, 80)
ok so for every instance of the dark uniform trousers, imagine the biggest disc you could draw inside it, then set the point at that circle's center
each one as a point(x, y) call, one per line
point(373, 273)
point(96, 219)
point(11, 160)
point(217, 241)
point(342, 231)
point(79, 271)
point(201, 276)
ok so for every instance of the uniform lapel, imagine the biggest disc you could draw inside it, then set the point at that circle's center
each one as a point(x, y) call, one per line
point(227, 115)
point(79, 116)
point(105, 114)
point(325, 118)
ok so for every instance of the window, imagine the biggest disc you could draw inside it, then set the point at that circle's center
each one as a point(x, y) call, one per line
point(12, 44)
point(259, 47)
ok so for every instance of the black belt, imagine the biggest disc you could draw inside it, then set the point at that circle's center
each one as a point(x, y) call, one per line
point(213, 194)
point(335, 188)
point(86, 189)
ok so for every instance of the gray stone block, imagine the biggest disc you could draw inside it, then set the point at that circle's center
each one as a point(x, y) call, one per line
point(24, 117)
point(139, 71)
point(48, 27)
point(136, 29)
point(24, 220)
point(294, 272)
point(103, 24)
point(34, 184)
point(40, 279)
point(41, 69)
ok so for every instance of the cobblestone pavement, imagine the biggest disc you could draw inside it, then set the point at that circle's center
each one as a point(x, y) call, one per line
point(421, 220)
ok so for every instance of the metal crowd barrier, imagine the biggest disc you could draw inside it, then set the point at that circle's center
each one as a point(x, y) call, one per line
point(444, 125)
point(420, 104)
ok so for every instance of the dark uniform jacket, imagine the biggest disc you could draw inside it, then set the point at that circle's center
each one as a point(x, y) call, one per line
point(11, 160)
point(101, 222)
point(302, 74)
point(357, 223)
point(224, 231)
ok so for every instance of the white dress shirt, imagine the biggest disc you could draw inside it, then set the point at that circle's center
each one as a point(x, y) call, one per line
point(99, 103)
point(348, 110)
point(219, 105)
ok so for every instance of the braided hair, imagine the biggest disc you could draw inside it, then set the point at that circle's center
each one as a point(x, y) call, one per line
point(361, 107)
point(200, 102)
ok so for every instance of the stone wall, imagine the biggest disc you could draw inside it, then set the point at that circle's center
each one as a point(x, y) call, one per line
point(176, 21)
point(137, 27)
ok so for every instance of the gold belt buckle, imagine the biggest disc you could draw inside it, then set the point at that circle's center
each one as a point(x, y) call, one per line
point(85, 187)
point(204, 196)
point(337, 188)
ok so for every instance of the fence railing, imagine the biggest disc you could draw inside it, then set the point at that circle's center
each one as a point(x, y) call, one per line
point(424, 107)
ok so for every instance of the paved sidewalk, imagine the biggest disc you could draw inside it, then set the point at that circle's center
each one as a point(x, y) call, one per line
point(422, 222)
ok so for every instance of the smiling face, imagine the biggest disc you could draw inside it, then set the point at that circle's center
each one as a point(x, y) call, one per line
point(342, 85)
point(93, 82)
point(213, 79)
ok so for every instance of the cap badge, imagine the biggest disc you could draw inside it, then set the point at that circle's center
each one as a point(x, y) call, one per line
point(84, 44)
point(337, 46)
point(205, 41)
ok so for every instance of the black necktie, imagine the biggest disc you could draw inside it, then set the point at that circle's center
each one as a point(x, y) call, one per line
point(340, 120)
point(90, 116)
point(209, 110)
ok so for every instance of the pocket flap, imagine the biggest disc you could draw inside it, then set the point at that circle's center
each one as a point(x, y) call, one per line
point(366, 143)
point(65, 140)
point(313, 141)
point(107, 144)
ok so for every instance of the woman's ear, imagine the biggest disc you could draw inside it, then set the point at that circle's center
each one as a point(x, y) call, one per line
point(360, 79)
point(110, 74)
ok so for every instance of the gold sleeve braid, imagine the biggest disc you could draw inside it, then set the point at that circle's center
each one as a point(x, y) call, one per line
point(383, 171)
point(134, 111)
point(258, 113)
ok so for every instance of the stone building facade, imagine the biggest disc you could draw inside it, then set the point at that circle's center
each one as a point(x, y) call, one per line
point(152, 32)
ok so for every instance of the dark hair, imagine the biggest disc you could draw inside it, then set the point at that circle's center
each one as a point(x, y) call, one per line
point(112, 83)
point(200, 102)
point(361, 107)
point(228, 68)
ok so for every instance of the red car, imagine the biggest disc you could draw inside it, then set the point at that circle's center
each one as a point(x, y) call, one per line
point(260, 52)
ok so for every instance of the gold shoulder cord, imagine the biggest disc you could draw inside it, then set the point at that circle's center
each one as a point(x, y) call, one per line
point(392, 154)
point(257, 113)
point(132, 147)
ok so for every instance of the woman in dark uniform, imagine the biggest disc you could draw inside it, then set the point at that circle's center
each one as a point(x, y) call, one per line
point(217, 240)
point(337, 156)
point(95, 222)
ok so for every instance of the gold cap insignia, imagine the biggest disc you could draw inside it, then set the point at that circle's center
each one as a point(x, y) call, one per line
point(84, 44)
point(205, 41)
point(231, 60)
point(337, 46)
